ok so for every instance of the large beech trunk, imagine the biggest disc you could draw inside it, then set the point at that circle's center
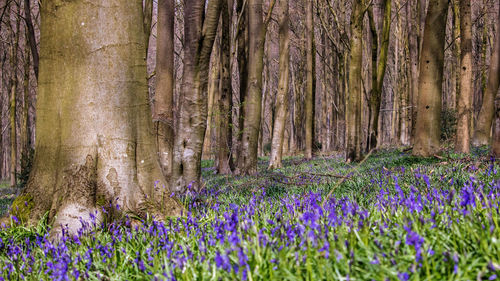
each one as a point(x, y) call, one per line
point(462, 142)
point(200, 28)
point(95, 149)
point(353, 103)
point(487, 113)
point(281, 97)
point(428, 127)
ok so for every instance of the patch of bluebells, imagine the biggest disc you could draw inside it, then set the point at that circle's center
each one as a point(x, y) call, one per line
point(410, 229)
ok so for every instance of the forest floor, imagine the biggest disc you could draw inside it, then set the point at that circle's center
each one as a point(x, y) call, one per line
point(395, 217)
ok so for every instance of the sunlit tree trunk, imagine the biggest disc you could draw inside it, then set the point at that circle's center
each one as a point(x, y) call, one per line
point(200, 29)
point(282, 95)
point(94, 149)
point(225, 97)
point(428, 129)
point(486, 115)
point(353, 103)
point(164, 92)
point(310, 80)
point(464, 111)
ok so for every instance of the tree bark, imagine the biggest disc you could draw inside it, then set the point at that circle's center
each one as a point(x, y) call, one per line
point(428, 127)
point(486, 115)
point(31, 36)
point(464, 111)
point(252, 106)
point(13, 103)
point(378, 73)
point(353, 104)
point(310, 80)
point(164, 96)
point(200, 29)
point(225, 136)
point(242, 57)
point(95, 149)
point(281, 97)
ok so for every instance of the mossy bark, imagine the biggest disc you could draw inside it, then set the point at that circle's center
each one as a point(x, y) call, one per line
point(310, 80)
point(95, 141)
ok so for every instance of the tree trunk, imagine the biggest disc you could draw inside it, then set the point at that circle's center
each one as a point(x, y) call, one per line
point(225, 136)
point(379, 73)
point(428, 129)
point(242, 57)
point(25, 133)
point(310, 80)
point(31, 36)
point(464, 111)
point(353, 104)
point(252, 106)
point(200, 30)
point(495, 145)
point(486, 115)
point(94, 149)
point(13, 104)
point(282, 95)
point(164, 96)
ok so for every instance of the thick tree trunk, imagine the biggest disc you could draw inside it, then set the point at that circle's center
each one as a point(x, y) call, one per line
point(282, 95)
point(164, 95)
point(200, 30)
point(486, 115)
point(353, 104)
point(310, 80)
point(225, 102)
point(464, 111)
point(428, 127)
point(95, 149)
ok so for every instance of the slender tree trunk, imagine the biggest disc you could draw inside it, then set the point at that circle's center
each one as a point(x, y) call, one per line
point(378, 72)
point(252, 107)
point(31, 36)
point(310, 80)
point(213, 114)
point(495, 145)
point(13, 104)
point(225, 102)
point(147, 20)
point(462, 143)
point(25, 133)
point(428, 129)
point(164, 96)
point(94, 147)
point(486, 115)
point(242, 56)
point(200, 30)
point(353, 104)
point(282, 95)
